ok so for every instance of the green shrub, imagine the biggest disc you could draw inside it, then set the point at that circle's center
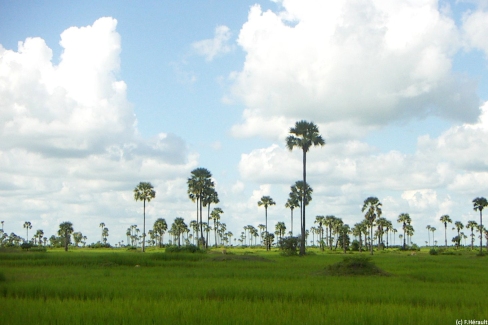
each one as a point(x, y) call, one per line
point(354, 265)
point(355, 246)
point(2, 277)
point(433, 251)
point(288, 246)
point(183, 249)
point(26, 246)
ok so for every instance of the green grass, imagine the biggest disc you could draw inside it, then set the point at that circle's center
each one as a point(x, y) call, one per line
point(246, 286)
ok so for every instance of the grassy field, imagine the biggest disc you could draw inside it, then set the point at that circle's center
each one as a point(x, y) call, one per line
point(243, 287)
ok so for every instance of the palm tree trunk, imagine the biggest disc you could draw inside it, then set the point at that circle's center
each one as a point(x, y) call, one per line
point(144, 229)
point(481, 231)
point(208, 223)
point(201, 223)
point(445, 233)
point(371, 246)
point(292, 222)
point(302, 246)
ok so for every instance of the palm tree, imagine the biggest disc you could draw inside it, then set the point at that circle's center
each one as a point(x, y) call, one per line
point(304, 135)
point(428, 232)
point(266, 201)
point(65, 230)
point(471, 225)
point(160, 226)
point(144, 192)
point(261, 228)
point(102, 225)
point(198, 184)
point(216, 212)
point(458, 226)
point(210, 196)
point(479, 204)
point(404, 219)
point(298, 191)
point(104, 235)
point(433, 229)
point(27, 226)
point(39, 234)
point(292, 203)
point(320, 220)
point(179, 227)
point(280, 228)
point(372, 206)
point(445, 219)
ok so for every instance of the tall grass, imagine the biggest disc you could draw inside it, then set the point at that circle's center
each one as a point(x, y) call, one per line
point(108, 288)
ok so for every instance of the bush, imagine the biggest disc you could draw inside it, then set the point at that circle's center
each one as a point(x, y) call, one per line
point(433, 251)
point(354, 265)
point(288, 246)
point(183, 249)
point(26, 246)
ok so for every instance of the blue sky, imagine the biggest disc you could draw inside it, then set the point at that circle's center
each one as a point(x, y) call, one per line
point(147, 92)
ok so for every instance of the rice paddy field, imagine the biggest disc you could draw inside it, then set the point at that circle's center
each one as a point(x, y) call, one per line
point(242, 287)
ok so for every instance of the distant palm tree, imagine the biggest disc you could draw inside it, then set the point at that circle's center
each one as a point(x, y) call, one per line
point(27, 225)
point(471, 225)
point(215, 216)
point(372, 206)
point(479, 204)
point(199, 183)
point(433, 229)
point(320, 220)
point(445, 219)
point(404, 219)
point(280, 228)
point(144, 192)
point(266, 201)
point(65, 231)
point(210, 196)
point(292, 203)
point(458, 226)
point(304, 135)
point(102, 225)
point(160, 226)
point(428, 232)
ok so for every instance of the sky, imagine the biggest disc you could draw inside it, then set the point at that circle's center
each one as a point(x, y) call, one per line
point(97, 96)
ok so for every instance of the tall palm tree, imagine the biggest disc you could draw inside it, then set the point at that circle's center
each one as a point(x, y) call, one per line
point(428, 232)
point(445, 219)
point(479, 204)
point(299, 190)
point(266, 201)
point(292, 203)
point(372, 206)
point(144, 192)
point(320, 220)
point(404, 219)
point(198, 184)
point(210, 196)
point(160, 226)
point(65, 231)
point(458, 226)
point(215, 215)
point(104, 235)
point(471, 225)
point(304, 135)
point(27, 226)
point(102, 225)
point(179, 227)
point(433, 229)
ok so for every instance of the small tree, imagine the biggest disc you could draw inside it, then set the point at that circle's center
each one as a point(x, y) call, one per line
point(65, 231)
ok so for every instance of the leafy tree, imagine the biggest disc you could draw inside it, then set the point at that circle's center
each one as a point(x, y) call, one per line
point(266, 201)
point(159, 228)
point(304, 135)
point(372, 206)
point(144, 192)
point(479, 204)
point(445, 219)
point(198, 184)
point(27, 226)
point(77, 237)
point(65, 231)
